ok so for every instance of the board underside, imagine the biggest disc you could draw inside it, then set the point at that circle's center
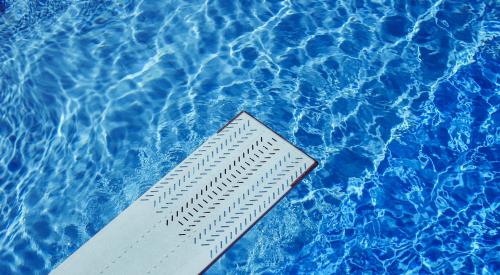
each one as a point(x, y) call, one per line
point(189, 218)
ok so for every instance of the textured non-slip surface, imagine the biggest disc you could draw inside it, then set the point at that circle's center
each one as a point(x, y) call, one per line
point(190, 217)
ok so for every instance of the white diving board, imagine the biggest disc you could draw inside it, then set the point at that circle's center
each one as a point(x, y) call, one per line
point(188, 219)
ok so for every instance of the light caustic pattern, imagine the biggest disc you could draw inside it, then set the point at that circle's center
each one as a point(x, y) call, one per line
point(397, 100)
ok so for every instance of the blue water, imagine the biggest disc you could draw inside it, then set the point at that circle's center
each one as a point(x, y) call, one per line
point(399, 101)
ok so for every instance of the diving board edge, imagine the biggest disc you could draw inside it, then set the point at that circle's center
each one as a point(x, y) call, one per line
point(294, 183)
point(279, 135)
point(300, 178)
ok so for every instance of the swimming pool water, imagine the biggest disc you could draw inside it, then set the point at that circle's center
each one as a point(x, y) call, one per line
point(399, 101)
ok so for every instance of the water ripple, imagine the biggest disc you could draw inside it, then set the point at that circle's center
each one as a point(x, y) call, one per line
point(399, 101)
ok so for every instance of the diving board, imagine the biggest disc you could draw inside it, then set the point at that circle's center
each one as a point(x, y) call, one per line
point(189, 218)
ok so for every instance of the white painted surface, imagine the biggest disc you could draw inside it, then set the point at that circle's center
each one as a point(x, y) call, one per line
point(191, 216)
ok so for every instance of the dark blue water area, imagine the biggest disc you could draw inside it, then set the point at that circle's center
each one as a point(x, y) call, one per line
point(399, 101)
point(3, 7)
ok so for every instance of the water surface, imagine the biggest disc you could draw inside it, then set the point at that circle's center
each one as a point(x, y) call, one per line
point(399, 101)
